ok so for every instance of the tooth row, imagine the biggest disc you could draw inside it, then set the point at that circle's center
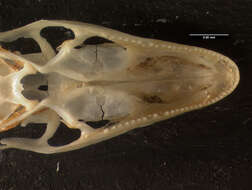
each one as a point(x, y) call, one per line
point(158, 116)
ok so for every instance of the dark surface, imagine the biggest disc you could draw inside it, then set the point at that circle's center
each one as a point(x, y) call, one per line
point(205, 149)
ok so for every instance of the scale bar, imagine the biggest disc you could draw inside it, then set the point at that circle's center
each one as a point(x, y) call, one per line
point(208, 34)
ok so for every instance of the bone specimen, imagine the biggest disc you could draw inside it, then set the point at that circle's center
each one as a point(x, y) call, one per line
point(132, 83)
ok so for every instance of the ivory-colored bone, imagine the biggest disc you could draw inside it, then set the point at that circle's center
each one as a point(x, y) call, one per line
point(132, 83)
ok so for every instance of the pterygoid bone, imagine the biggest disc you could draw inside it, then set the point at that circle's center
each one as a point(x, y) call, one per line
point(132, 82)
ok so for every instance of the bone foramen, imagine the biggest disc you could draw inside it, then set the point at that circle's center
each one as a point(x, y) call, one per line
point(132, 82)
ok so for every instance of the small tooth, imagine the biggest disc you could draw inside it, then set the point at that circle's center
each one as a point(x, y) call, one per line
point(167, 113)
point(144, 119)
point(106, 130)
point(151, 44)
point(139, 120)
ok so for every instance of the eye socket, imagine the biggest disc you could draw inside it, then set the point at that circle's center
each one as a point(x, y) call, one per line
point(97, 124)
point(56, 35)
point(64, 136)
point(95, 40)
point(22, 45)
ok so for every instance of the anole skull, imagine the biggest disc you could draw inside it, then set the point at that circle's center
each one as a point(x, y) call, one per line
point(132, 83)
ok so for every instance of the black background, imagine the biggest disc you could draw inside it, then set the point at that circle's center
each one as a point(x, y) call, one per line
point(204, 149)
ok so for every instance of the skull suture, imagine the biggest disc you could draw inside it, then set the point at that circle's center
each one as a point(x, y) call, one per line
point(132, 82)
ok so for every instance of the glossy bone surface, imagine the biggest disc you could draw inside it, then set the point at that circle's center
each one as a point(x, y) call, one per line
point(131, 83)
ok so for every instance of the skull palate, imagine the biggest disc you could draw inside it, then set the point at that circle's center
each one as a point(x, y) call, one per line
point(132, 82)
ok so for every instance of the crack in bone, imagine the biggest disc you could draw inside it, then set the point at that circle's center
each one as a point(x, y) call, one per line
point(102, 117)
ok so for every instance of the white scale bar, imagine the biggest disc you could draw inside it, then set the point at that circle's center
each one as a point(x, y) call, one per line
point(208, 34)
